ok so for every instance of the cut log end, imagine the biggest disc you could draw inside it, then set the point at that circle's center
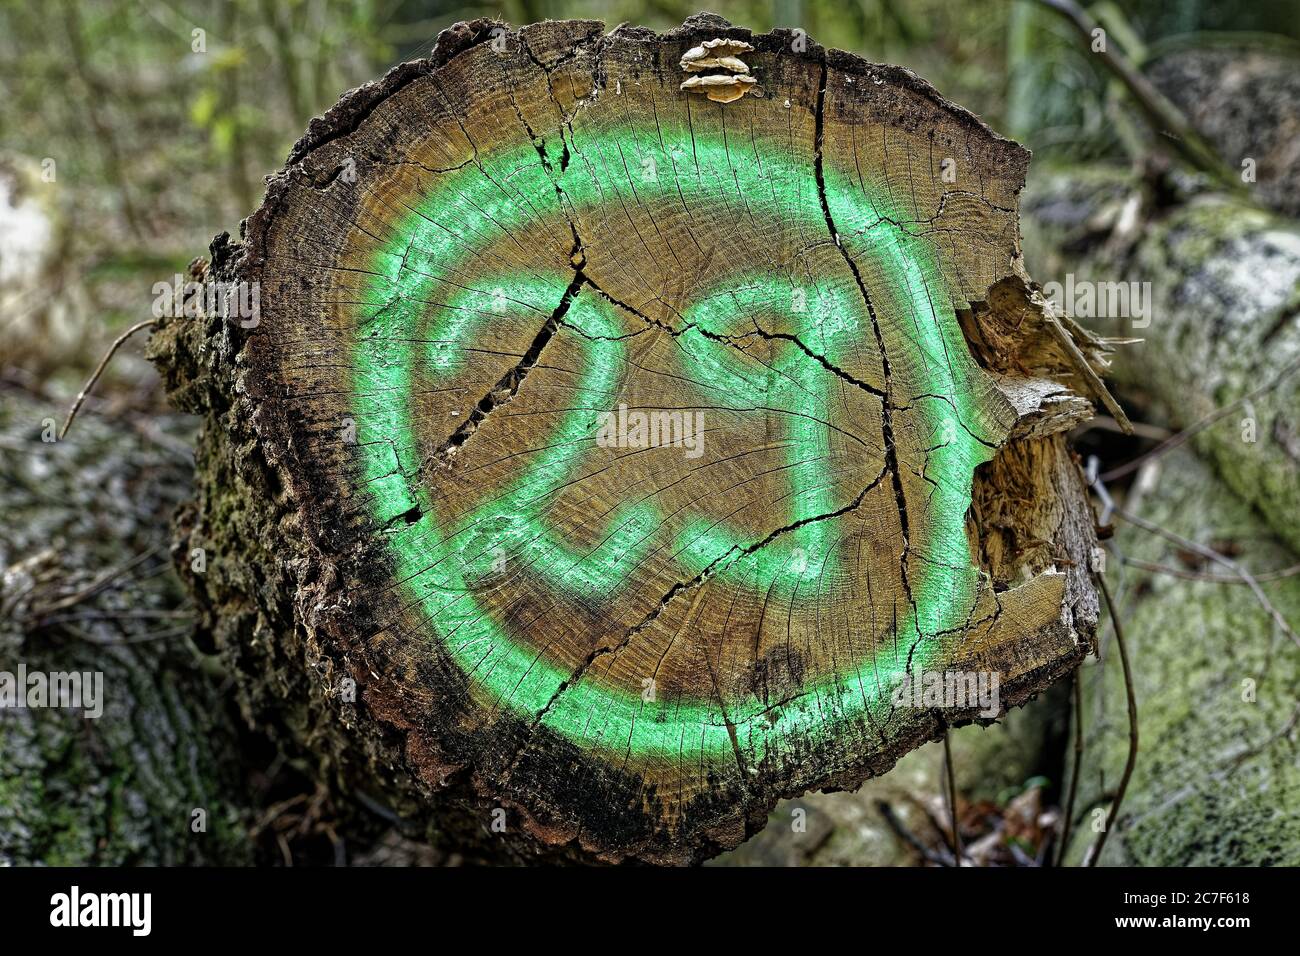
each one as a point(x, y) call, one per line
point(626, 451)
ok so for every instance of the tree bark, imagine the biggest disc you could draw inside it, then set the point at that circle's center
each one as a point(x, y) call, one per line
point(1215, 683)
point(444, 557)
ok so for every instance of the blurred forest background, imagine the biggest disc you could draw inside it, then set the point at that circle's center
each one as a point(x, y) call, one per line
point(132, 131)
point(157, 147)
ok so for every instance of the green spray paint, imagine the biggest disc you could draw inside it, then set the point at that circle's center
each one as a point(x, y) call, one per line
point(420, 284)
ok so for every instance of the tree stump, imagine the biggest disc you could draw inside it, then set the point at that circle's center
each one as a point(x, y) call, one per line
point(624, 446)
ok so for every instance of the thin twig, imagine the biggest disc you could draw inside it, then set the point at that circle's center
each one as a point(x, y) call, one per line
point(103, 363)
point(1169, 444)
point(1255, 750)
point(1161, 114)
point(1141, 429)
point(1068, 817)
point(1207, 552)
point(1210, 578)
point(1099, 488)
point(907, 836)
point(98, 584)
point(952, 797)
point(1094, 851)
point(137, 614)
point(69, 626)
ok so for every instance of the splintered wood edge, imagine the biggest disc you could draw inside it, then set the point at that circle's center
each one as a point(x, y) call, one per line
point(1032, 633)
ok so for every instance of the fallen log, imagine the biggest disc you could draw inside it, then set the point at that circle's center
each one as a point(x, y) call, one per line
point(1244, 100)
point(1220, 340)
point(137, 763)
point(1215, 682)
point(607, 448)
point(1214, 674)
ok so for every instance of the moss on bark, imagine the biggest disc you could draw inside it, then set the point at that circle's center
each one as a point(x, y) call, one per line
point(1218, 773)
point(123, 788)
